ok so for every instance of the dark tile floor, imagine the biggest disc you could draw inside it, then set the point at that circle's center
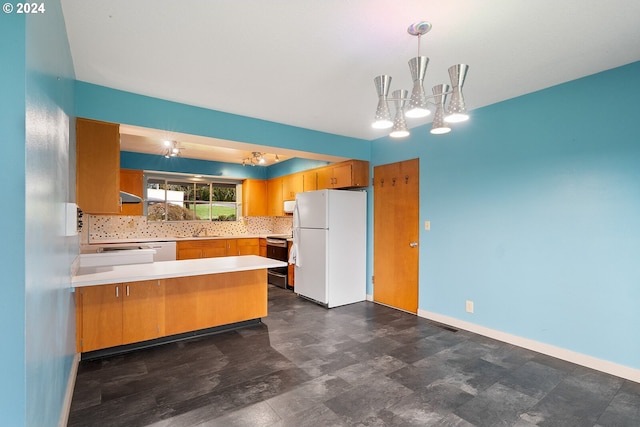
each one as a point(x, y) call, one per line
point(358, 365)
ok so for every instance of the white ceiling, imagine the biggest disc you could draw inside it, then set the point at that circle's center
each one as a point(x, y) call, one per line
point(311, 63)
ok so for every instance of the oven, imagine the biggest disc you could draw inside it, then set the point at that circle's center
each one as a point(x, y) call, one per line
point(278, 248)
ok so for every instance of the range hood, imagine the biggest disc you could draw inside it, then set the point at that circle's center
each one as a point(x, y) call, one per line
point(129, 198)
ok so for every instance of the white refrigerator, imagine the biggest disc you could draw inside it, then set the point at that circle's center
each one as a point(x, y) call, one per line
point(330, 245)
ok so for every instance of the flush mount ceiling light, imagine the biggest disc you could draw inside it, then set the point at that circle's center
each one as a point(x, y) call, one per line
point(256, 158)
point(418, 104)
point(171, 149)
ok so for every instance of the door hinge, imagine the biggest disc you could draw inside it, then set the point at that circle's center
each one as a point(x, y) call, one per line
point(373, 279)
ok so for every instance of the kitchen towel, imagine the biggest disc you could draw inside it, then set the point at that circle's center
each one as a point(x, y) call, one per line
point(294, 257)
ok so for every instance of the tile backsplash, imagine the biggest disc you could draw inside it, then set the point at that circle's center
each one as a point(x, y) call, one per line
point(109, 227)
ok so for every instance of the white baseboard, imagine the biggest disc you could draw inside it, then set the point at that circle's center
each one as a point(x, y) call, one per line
point(550, 350)
point(71, 383)
point(369, 297)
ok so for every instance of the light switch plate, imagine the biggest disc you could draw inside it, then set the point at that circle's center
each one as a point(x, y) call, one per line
point(427, 225)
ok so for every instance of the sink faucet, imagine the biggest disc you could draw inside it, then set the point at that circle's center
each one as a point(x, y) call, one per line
point(197, 233)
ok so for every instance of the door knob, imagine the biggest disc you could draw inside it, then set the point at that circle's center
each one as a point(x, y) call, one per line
point(413, 244)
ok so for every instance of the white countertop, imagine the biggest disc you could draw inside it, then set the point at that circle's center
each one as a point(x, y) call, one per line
point(180, 238)
point(91, 276)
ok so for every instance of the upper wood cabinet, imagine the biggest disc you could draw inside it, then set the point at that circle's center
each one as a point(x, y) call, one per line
point(254, 197)
point(97, 166)
point(132, 181)
point(349, 174)
point(310, 180)
point(265, 198)
point(292, 185)
point(275, 206)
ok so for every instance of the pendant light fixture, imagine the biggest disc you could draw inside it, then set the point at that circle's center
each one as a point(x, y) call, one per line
point(417, 105)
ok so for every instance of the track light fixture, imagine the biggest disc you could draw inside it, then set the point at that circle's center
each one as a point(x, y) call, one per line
point(171, 149)
point(417, 105)
point(256, 158)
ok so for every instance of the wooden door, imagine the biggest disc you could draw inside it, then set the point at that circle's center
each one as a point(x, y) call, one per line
point(396, 231)
point(101, 316)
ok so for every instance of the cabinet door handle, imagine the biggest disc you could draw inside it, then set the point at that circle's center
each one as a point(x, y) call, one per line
point(127, 290)
point(117, 291)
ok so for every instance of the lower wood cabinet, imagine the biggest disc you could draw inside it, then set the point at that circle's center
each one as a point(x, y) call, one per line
point(263, 247)
point(118, 314)
point(290, 269)
point(211, 248)
point(126, 313)
point(249, 246)
point(199, 302)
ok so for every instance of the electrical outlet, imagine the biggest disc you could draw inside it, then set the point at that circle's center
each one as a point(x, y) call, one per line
point(469, 306)
point(427, 225)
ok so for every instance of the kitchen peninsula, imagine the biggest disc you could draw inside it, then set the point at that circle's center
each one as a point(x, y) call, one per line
point(122, 307)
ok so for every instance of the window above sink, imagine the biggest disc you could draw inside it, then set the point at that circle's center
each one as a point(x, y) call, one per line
point(181, 197)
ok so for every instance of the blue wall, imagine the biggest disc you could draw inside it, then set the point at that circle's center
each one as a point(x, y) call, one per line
point(101, 103)
point(36, 311)
point(535, 215)
point(12, 251)
point(130, 160)
point(292, 166)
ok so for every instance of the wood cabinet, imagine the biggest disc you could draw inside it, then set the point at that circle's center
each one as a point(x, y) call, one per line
point(207, 248)
point(118, 314)
point(126, 313)
point(290, 269)
point(275, 202)
point(254, 197)
point(249, 246)
point(292, 185)
point(132, 181)
point(263, 247)
point(310, 180)
point(97, 166)
point(266, 198)
point(349, 174)
point(199, 302)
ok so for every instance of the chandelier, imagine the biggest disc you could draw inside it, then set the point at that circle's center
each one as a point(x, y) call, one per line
point(417, 105)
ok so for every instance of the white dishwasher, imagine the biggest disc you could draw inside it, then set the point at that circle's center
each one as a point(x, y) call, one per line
point(164, 251)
